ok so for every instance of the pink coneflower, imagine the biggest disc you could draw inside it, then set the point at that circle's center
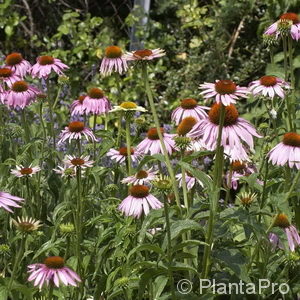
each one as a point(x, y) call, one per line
point(20, 95)
point(74, 131)
point(151, 144)
point(7, 200)
point(239, 169)
point(236, 131)
point(21, 171)
point(138, 201)
point(189, 179)
point(45, 65)
point(113, 61)
point(290, 230)
point(66, 171)
point(287, 152)
point(142, 177)
point(83, 162)
point(8, 76)
point(77, 107)
point(145, 54)
point(52, 271)
point(188, 108)
point(269, 86)
point(291, 18)
point(95, 102)
point(225, 91)
point(120, 155)
point(18, 64)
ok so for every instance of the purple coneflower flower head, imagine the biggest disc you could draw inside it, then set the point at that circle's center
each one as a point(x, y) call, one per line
point(224, 91)
point(26, 224)
point(95, 102)
point(45, 65)
point(151, 144)
point(75, 131)
point(113, 61)
point(239, 169)
point(77, 107)
point(66, 171)
point(189, 179)
point(52, 271)
point(119, 156)
point(290, 230)
point(20, 95)
point(236, 131)
point(291, 23)
point(142, 177)
point(139, 201)
point(8, 77)
point(188, 108)
point(269, 86)
point(145, 54)
point(17, 64)
point(21, 171)
point(75, 162)
point(287, 152)
point(7, 201)
point(128, 107)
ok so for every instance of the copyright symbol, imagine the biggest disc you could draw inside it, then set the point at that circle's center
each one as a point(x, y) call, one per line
point(184, 286)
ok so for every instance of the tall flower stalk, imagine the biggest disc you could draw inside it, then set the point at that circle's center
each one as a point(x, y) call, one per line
point(217, 177)
point(157, 125)
point(128, 144)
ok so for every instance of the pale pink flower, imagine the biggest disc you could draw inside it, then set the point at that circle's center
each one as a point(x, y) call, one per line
point(8, 76)
point(45, 65)
point(290, 230)
point(7, 201)
point(52, 271)
point(295, 26)
point(145, 54)
point(139, 201)
point(22, 171)
point(269, 86)
point(113, 61)
point(96, 102)
point(20, 95)
point(142, 177)
point(77, 107)
point(18, 64)
point(190, 180)
point(119, 156)
point(236, 131)
point(75, 131)
point(239, 169)
point(189, 108)
point(83, 162)
point(151, 144)
point(287, 152)
point(224, 91)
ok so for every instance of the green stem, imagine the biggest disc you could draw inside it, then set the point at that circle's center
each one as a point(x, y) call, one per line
point(50, 103)
point(157, 125)
point(79, 212)
point(17, 262)
point(288, 103)
point(119, 136)
point(128, 144)
point(26, 128)
point(217, 176)
point(292, 78)
point(57, 96)
point(50, 295)
point(169, 250)
point(94, 130)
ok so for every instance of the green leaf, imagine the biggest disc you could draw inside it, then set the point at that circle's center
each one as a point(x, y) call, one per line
point(149, 247)
point(235, 261)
